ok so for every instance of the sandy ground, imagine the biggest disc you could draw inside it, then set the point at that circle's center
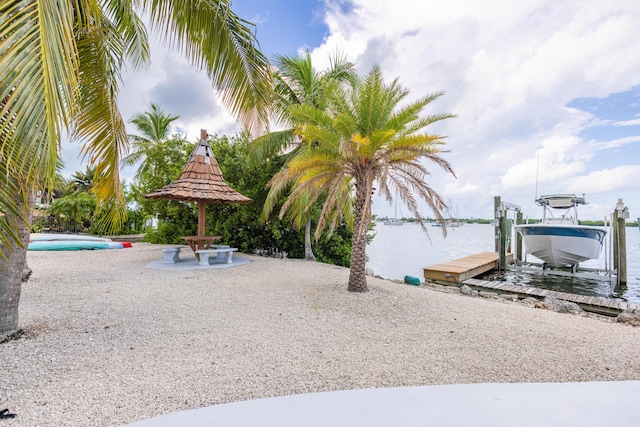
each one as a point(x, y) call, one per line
point(109, 341)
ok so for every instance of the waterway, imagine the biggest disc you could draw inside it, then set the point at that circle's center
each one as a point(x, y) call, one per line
point(397, 251)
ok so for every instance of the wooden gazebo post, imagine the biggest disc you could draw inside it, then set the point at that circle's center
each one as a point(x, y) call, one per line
point(201, 210)
point(201, 203)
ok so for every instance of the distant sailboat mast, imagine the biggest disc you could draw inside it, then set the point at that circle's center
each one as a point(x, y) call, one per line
point(395, 220)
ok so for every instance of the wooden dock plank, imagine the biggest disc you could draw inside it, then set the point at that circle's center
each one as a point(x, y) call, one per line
point(609, 305)
point(462, 269)
point(580, 299)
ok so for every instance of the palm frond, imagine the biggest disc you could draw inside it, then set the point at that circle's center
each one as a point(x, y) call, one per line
point(154, 125)
point(216, 40)
point(338, 206)
point(37, 53)
point(270, 144)
point(98, 123)
point(129, 25)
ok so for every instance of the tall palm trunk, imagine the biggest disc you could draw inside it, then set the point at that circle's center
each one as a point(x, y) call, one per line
point(308, 251)
point(13, 268)
point(361, 218)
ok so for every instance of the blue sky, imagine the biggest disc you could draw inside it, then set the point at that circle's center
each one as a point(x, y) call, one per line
point(283, 26)
point(541, 88)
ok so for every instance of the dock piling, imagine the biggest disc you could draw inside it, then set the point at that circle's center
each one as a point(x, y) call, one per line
point(518, 238)
point(620, 241)
point(503, 228)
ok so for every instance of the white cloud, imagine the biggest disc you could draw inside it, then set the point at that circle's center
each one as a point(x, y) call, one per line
point(508, 69)
point(621, 178)
point(634, 122)
point(617, 143)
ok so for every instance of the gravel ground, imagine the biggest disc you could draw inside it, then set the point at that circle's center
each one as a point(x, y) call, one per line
point(109, 342)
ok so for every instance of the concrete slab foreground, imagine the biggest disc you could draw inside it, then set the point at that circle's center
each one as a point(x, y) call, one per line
point(492, 405)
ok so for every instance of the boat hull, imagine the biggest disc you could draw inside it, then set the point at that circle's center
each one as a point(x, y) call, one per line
point(562, 245)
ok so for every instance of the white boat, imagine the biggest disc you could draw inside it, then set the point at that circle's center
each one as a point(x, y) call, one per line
point(393, 221)
point(452, 220)
point(448, 224)
point(559, 240)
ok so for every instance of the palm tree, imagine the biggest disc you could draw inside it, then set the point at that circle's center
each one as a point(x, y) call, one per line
point(47, 193)
point(364, 136)
point(154, 127)
point(83, 182)
point(297, 83)
point(76, 208)
point(60, 66)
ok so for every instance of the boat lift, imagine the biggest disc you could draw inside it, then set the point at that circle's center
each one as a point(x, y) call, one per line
point(615, 267)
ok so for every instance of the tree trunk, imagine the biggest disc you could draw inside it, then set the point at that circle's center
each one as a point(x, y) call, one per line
point(308, 251)
point(14, 269)
point(362, 216)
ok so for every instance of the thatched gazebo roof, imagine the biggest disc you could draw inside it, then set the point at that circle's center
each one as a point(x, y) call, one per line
point(201, 181)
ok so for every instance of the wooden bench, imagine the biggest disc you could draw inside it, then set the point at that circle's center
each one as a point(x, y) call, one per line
point(171, 255)
point(222, 252)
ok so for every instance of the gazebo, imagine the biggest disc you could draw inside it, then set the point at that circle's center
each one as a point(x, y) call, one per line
point(201, 181)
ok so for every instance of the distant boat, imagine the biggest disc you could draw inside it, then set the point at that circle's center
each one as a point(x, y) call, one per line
point(452, 220)
point(448, 223)
point(559, 240)
point(395, 220)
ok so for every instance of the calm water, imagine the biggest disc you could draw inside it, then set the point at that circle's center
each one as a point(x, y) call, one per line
point(397, 251)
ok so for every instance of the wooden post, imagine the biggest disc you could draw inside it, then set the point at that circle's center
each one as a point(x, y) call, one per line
point(201, 217)
point(504, 233)
point(500, 232)
point(518, 238)
point(622, 213)
point(614, 232)
point(618, 228)
point(496, 216)
point(622, 252)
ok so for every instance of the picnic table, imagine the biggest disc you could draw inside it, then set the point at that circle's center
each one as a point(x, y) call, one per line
point(197, 243)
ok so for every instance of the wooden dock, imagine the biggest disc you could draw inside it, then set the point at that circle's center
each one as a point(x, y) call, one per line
point(461, 269)
point(600, 305)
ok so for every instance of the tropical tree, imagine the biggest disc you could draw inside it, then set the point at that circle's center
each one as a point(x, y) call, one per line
point(50, 190)
point(296, 82)
point(167, 160)
point(82, 182)
point(60, 66)
point(363, 136)
point(76, 208)
point(154, 128)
